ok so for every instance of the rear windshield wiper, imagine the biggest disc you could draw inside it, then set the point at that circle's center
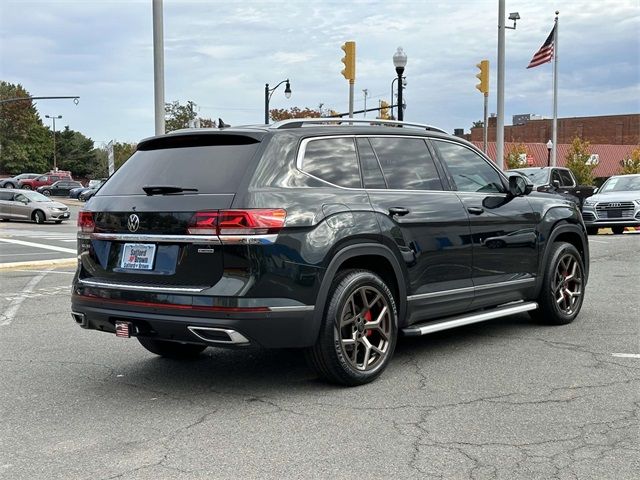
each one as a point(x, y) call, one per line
point(165, 189)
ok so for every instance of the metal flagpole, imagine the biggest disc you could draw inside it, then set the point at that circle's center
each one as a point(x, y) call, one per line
point(158, 66)
point(555, 94)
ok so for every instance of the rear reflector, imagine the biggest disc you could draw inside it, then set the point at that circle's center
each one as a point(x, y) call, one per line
point(85, 222)
point(237, 222)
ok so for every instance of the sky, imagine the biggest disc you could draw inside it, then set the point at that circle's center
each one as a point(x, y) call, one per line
point(220, 54)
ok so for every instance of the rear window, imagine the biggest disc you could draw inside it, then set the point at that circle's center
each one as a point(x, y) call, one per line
point(208, 168)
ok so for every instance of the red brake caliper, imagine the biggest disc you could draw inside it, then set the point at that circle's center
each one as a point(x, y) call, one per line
point(367, 318)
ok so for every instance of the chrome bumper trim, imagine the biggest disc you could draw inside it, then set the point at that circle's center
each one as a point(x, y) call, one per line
point(235, 338)
point(141, 288)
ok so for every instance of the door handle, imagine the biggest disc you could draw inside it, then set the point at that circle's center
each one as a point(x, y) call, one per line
point(400, 211)
point(475, 210)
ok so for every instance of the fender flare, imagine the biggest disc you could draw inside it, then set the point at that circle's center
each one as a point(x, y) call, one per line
point(555, 232)
point(342, 256)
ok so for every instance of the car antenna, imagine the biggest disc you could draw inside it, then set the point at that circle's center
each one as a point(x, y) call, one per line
point(221, 124)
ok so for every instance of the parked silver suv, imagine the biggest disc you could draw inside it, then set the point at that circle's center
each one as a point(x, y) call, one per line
point(616, 205)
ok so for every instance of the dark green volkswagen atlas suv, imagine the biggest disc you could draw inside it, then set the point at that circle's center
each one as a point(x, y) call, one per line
point(331, 236)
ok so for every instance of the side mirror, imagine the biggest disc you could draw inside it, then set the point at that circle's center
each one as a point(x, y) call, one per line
point(518, 186)
point(556, 183)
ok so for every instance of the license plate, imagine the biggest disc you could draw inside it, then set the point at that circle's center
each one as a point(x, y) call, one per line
point(138, 256)
point(65, 215)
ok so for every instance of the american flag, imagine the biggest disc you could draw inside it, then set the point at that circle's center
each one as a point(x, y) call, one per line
point(545, 53)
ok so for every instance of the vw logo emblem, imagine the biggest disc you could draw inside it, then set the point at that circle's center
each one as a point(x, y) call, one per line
point(133, 223)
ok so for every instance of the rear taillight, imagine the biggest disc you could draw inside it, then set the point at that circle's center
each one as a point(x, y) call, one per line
point(86, 223)
point(237, 222)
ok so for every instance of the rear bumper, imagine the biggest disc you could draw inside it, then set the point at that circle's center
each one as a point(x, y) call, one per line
point(280, 327)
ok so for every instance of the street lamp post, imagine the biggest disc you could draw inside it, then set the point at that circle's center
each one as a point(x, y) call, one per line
point(400, 61)
point(549, 148)
point(53, 117)
point(404, 84)
point(268, 92)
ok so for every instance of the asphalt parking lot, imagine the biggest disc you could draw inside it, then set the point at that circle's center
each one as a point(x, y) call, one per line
point(508, 399)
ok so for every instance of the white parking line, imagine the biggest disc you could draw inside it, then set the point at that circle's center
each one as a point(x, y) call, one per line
point(9, 314)
point(39, 245)
point(626, 355)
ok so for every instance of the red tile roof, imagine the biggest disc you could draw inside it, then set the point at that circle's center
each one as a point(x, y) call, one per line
point(610, 155)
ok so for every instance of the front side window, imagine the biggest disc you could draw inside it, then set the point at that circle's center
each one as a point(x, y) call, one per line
point(406, 163)
point(470, 172)
point(567, 181)
point(333, 160)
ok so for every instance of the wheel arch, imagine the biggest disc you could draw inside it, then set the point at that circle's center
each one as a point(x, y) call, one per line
point(570, 233)
point(368, 256)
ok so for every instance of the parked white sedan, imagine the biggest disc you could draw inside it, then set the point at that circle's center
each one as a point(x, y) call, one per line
point(29, 205)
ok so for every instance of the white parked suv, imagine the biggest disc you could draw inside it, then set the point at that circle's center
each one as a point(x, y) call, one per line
point(615, 205)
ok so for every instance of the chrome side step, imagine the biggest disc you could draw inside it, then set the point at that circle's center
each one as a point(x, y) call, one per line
point(459, 321)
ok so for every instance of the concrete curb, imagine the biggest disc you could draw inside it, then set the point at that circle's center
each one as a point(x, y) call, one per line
point(71, 201)
point(58, 262)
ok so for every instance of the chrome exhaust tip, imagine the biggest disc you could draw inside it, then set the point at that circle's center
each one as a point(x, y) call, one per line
point(80, 319)
point(219, 335)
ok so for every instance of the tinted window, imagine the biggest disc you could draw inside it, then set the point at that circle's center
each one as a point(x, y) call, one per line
point(371, 173)
point(6, 196)
point(210, 169)
point(567, 181)
point(555, 177)
point(406, 163)
point(333, 160)
point(470, 172)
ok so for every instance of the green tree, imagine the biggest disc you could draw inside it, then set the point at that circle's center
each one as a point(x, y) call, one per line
point(25, 143)
point(631, 164)
point(75, 152)
point(578, 161)
point(278, 114)
point(477, 124)
point(178, 116)
point(513, 158)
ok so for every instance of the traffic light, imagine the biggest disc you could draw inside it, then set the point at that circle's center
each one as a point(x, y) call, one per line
point(384, 110)
point(349, 60)
point(483, 76)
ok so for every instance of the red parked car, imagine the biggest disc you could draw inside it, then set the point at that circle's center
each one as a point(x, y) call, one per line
point(43, 180)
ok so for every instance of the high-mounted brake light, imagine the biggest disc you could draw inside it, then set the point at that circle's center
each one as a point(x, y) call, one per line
point(237, 222)
point(86, 222)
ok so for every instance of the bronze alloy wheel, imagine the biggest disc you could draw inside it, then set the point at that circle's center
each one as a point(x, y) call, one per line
point(365, 327)
point(567, 283)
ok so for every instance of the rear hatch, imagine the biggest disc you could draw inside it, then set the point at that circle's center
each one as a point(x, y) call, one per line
point(136, 229)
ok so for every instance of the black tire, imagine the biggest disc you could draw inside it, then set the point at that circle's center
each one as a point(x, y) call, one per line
point(46, 192)
point(9, 185)
point(592, 230)
point(335, 360)
point(26, 187)
point(39, 217)
point(556, 305)
point(175, 350)
point(617, 230)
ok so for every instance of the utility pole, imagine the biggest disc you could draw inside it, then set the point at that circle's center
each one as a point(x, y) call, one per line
point(366, 93)
point(500, 119)
point(158, 66)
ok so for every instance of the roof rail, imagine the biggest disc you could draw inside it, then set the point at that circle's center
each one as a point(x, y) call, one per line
point(300, 122)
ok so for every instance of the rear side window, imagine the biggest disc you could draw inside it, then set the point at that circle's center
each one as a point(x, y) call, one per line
point(6, 196)
point(470, 171)
point(207, 168)
point(406, 163)
point(333, 160)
